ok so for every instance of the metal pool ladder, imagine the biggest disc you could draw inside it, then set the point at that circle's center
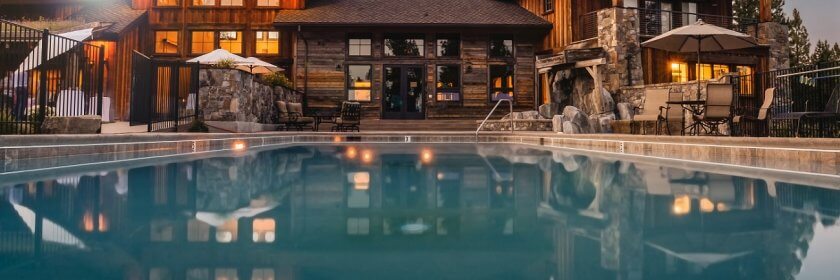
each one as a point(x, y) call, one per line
point(512, 123)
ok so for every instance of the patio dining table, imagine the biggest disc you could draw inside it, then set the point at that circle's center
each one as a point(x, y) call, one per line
point(323, 116)
point(695, 107)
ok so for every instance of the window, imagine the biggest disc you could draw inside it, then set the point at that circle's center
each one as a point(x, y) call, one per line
point(501, 47)
point(745, 82)
point(666, 16)
point(404, 45)
point(262, 274)
point(501, 82)
point(166, 3)
point(359, 45)
point(268, 42)
point(197, 231)
point(268, 3)
point(231, 41)
point(448, 85)
point(204, 2)
point(227, 232)
point(264, 230)
point(202, 42)
point(166, 42)
point(679, 72)
point(448, 45)
point(711, 71)
point(358, 195)
point(231, 3)
point(358, 226)
point(631, 3)
point(359, 82)
point(548, 6)
point(689, 15)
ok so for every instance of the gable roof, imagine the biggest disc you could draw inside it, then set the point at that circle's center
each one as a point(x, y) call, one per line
point(113, 17)
point(468, 13)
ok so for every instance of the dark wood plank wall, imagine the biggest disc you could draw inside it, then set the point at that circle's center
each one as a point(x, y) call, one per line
point(561, 18)
point(327, 60)
point(130, 40)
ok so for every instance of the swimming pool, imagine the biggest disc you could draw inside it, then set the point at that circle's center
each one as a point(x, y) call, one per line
point(415, 211)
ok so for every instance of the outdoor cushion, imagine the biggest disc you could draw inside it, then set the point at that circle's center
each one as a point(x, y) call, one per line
point(295, 108)
point(281, 105)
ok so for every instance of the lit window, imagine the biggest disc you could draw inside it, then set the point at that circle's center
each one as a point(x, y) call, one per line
point(262, 274)
point(231, 41)
point(268, 3)
point(501, 82)
point(358, 195)
point(227, 232)
point(268, 42)
point(679, 72)
point(264, 230)
point(712, 71)
point(682, 205)
point(501, 47)
point(231, 3)
point(359, 45)
point(448, 45)
point(404, 45)
point(166, 42)
point(359, 82)
point(202, 42)
point(448, 85)
point(226, 274)
point(745, 82)
point(204, 2)
point(197, 231)
point(166, 3)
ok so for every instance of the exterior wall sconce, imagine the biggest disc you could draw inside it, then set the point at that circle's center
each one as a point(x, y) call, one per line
point(469, 68)
point(338, 67)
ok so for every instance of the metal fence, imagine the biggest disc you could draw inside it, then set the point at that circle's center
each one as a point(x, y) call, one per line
point(800, 89)
point(653, 22)
point(164, 94)
point(44, 74)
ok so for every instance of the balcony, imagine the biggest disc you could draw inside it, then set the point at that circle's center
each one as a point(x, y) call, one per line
point(655, 22)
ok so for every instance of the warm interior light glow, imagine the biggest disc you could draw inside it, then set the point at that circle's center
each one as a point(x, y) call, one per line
point(722, 207)
point(367, 156)
point(352, 152)
point(227, 232)
point(707, 205)
point(264, 230)
point(426, 156)
point(239, 145)
point(337, 139)
point(360, 180)
point(682, 205)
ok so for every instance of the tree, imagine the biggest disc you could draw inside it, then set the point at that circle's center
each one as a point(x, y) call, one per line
point(822, 53)
point(836, 52)
point(800, 44)
point(748, 9)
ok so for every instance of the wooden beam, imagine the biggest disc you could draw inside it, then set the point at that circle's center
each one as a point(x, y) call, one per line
point(591, 62)
point(765, 10)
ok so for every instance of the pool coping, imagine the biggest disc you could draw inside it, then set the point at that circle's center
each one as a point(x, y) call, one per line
point(805, 157)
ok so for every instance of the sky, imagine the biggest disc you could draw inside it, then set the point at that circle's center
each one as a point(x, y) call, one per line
point(821, 17)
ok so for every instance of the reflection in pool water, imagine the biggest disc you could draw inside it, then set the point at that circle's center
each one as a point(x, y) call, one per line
point(413, 212)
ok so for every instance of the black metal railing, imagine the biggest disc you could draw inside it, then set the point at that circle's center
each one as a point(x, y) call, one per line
point(586, 27)
point(800, 89)
point(164, 94)
point(654, 22)
point(44, 74)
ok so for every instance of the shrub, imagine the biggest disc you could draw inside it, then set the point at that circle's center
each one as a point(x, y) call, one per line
point(226, 64)
point(277, 79)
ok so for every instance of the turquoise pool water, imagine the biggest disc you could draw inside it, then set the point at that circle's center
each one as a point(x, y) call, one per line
point(396, 211)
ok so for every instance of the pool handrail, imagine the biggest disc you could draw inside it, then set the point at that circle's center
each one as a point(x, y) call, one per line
point(512, 123)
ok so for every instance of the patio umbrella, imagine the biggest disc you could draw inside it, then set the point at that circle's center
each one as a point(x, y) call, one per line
point(255, 65)
point(216, 56)
point(700, 37)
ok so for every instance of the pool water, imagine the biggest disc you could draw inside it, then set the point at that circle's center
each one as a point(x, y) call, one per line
point(397, 211)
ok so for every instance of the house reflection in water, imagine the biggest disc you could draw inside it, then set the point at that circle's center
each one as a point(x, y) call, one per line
point(362, 212)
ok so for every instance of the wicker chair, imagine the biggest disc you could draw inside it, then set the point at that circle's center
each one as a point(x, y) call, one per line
point(291, 116)
point(655, 109)
point(349, 117)
point(718, 109)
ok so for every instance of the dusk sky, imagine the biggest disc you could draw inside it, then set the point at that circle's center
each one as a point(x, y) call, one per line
point(821, 17)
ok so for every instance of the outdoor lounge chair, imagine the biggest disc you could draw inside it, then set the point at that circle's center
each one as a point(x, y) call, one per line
point(718, 109)
point(763, 113)
point(832, 110)
point(655, 109)
point(291, 116)
point(349, 117)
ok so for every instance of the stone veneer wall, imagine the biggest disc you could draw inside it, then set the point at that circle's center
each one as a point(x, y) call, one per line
point(775, 35)
point(234, 100)
point(618, 34)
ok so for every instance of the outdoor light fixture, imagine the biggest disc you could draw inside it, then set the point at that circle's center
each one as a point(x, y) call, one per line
point(239, 145)
point(338, 67)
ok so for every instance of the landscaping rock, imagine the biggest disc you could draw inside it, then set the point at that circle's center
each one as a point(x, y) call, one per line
point(607, 102)
point(72, 125)
point(557, 123)
point(575, 121)
point(625, 111)
point(548, 111)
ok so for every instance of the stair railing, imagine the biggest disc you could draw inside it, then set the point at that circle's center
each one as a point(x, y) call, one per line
point(512, 123)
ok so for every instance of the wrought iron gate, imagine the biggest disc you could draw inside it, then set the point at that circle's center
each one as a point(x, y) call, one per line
point(164, 94)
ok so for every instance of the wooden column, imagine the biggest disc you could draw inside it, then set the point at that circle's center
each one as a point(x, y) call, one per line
point(765, 10)
point(618, 3)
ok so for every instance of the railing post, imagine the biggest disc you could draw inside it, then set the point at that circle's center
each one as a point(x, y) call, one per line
point(153, 90)
point(100, 75)
point(174, 79)
point(42, 80)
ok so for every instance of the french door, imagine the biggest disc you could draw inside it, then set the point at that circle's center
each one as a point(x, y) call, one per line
point(403, 91)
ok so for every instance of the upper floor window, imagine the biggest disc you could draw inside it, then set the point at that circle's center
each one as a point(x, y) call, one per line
point(166, 42)
point(166, 3)
point(548, 6)
point(231, 41)
point(268, 3)
point(268, 42)
point(359, 45)
point(231, 3)
point(448, 45)
point(404, 45)
point(202, 42)
point(501, 46)
point(204, 2)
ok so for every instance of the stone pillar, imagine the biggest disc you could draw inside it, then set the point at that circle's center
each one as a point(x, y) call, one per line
point(775, 35)
point(618, 34)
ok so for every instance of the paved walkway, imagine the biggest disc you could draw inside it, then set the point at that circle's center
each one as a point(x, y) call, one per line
point(122, 128)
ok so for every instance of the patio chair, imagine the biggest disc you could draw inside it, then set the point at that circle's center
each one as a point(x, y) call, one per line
point(349, 118)
point(763, 113)
point(832, 110)
point(291, 116)
point(718, 108)
point(655, 109)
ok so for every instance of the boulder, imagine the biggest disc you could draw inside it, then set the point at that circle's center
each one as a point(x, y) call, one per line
point(607, 102)
point(625, 111)
point(72, 125)
point(604, 123)
point(548, 111)
point(575, 121)
point(557, 123)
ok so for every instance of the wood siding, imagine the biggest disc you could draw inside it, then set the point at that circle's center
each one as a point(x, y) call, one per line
point(327, 61)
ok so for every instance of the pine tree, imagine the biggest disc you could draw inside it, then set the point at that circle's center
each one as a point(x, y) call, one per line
point(748, 9)
point(836, 51)
point(800, 44)
point(822, 53)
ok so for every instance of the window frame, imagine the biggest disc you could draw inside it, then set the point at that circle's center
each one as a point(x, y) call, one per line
point(215, 41)
point(348, 85)
point(548, 6)
point(459, 87)
point(279, 42)
point(407, 36)
point(503, 38)
point(240, 33)
point(351, 36)
point(258, 6)
point(177, 45)
point(448, 36)
point(491, 88)
point(176, 4)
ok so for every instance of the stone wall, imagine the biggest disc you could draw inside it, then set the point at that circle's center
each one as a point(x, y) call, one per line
point(775, 35)
point(235, 100)
point(618, 34)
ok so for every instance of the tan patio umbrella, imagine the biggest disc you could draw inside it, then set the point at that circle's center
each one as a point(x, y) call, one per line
point(255, 66)
point(216, 56)
point(700, 37)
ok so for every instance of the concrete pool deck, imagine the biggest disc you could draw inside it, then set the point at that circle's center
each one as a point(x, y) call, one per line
point(809, 160)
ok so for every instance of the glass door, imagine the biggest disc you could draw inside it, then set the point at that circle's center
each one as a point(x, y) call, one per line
point(403, 90)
